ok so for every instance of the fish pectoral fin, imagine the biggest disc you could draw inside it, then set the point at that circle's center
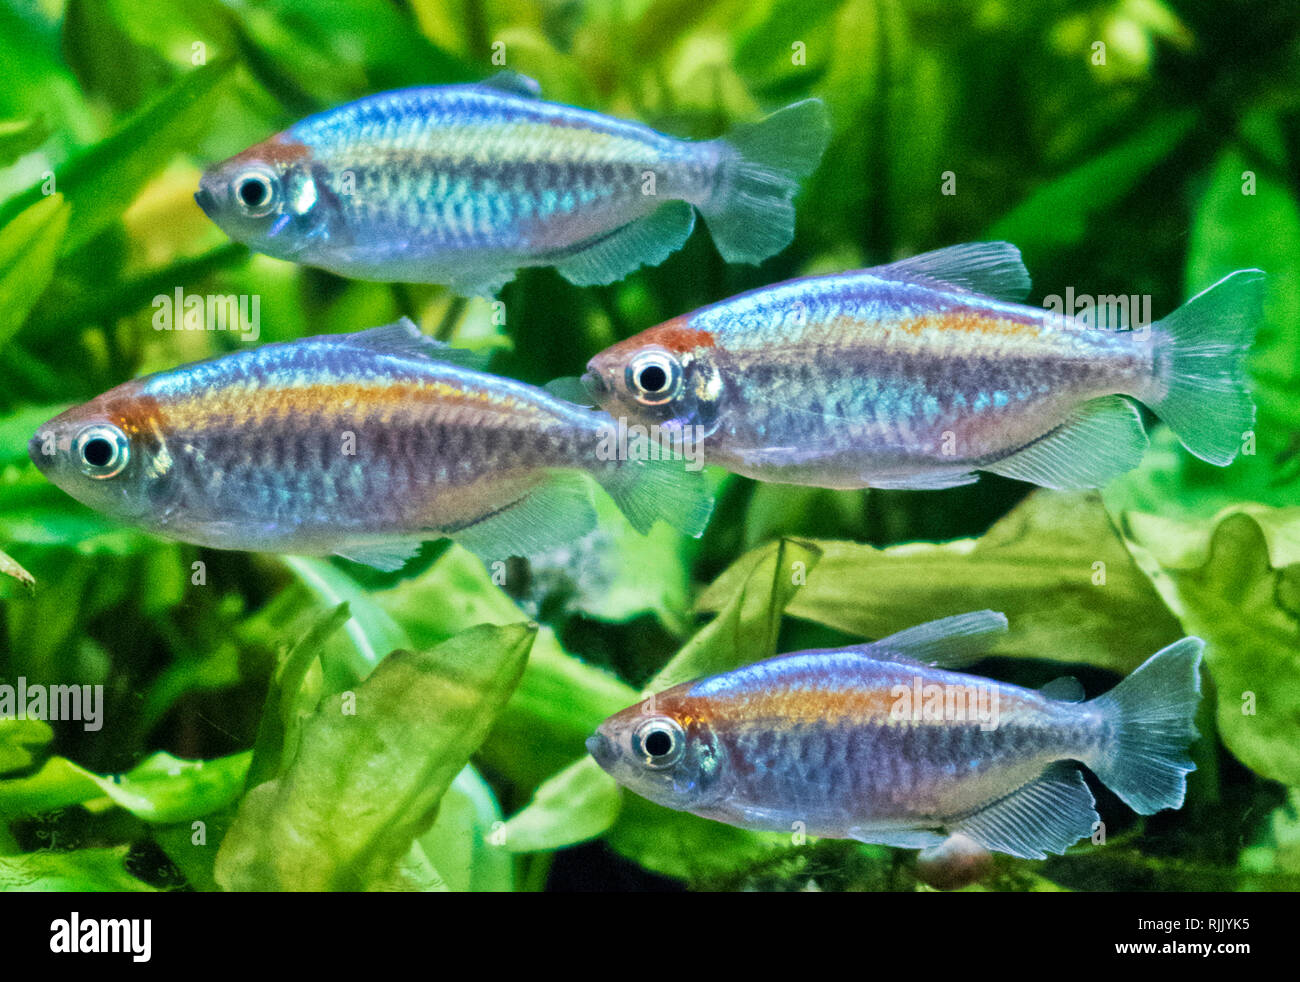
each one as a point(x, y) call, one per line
point(387, 556)
point(1102, 439)
point(923, 482)
point(554, 513)
point(898, 838)
point(647, 241)
point(1047, 815)
point(949, 642)
point(515, 83)
point(404, 338)
point(570, 389)
point(991, 269)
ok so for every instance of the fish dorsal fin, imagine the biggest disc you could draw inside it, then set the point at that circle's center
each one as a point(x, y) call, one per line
point(514, 83)
point(403, 338)
point(1065, 689)
point(949, 642)
point(570, 389)
point(992, 269)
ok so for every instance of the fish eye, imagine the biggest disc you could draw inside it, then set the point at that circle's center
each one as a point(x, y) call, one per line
point(256, 192)
point(659, 742)
point(654, 377)
point(102, 451)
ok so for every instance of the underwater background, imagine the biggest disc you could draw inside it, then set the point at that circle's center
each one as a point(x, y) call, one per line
point(1135, 147)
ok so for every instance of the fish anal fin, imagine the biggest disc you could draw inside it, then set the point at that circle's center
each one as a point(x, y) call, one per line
point(1102, 439)
point(932, 481)
point(1047, 815)
point(556, 512)
point(647, 241)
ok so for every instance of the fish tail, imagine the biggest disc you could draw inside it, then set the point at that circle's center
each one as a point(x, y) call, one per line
point(651, 490)
point(1151, 715)
point(1200, 366)
point(750, 214)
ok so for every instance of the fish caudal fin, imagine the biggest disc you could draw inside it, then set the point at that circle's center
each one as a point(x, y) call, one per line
point(1200, 366)
point(750, 213)
point(1152, 715)
point(650, 490)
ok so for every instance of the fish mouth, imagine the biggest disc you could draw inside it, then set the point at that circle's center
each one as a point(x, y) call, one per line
point(600, 749)
point(206, 200)
point(36, 451)
point(595, 384)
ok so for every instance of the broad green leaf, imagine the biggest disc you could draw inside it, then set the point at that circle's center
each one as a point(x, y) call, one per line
point(18, 738)
point(1055, 566)
point(579, 803)
point(19, 137)
point(82, 870)
point(372, 767)
point(558, 702)
point(29, 246)
point(277, 735)
point(1238, 587)
point(464, 845)
point(762, 584)
point(102, 180)
point(160, 789)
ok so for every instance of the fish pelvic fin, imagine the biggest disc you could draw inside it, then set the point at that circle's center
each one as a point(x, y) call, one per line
point(652, 490)
point(1200, 366)
point(1102, 439)
point(1047, 815)
point(1151, 715)
point(750, 213)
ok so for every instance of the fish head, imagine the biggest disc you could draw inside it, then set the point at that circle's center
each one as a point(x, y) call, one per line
point(270, 197)
point(665, 750)
point(668, 376)
point(110, 455)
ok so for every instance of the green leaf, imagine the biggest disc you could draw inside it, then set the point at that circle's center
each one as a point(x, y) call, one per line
point(161, 789)
point(17, 736)
point(1238, 587)
point(29, 246)
point(372, 767)
point(277, 735)
point(101, 181)
point(19, 137)
point(83, 870)
point(761, 586)
point(1055, 566)
point(10, 567)
point(579, 803)
point(463, 844)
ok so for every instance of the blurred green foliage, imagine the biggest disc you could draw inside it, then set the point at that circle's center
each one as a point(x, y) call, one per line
point(1152, 164)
